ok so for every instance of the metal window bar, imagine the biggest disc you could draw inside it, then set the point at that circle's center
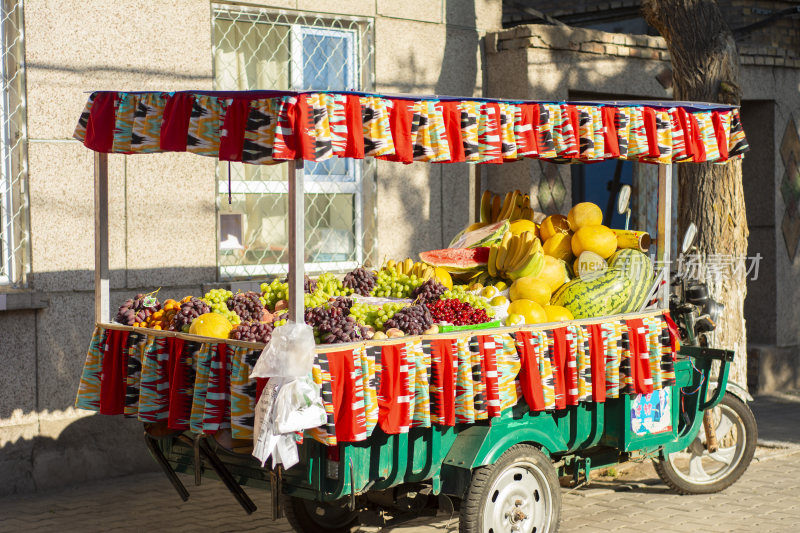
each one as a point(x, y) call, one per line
point(260, 48)
point(14, 222)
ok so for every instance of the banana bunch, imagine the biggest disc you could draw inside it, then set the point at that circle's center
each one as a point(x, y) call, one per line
point(516, 256)
point(411, 268)
point(514, 206)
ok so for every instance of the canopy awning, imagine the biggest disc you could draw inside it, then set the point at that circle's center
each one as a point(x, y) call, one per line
point(269, 127)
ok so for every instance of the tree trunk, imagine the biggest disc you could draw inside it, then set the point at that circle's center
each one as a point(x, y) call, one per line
point(705, 66)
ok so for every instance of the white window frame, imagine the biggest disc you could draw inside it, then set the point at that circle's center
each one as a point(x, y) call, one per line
point(7, 222)
point(350, 183)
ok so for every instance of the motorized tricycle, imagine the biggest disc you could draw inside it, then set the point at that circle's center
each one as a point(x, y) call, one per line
point(493, 418)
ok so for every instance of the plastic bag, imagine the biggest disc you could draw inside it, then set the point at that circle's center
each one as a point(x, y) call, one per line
point(298, 406)
point(290, 353)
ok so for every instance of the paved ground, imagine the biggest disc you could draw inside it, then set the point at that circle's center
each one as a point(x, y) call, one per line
point(766, 499)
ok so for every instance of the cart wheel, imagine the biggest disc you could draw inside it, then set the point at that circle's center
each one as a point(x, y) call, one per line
point(695, 471)
point(308, 516)
point(518, 493)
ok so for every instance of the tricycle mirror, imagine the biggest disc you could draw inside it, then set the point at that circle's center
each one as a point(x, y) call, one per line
point(623, 199)
point(688, 237)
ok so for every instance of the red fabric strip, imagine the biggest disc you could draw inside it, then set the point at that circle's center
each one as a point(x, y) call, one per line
point(112, 379)
point(575, 122)
point(102, 119)
point(526, 138)
point(355, 128)
point(559, 366)
point(640, 357)
point(344, 416)
point(495, 132)
point(697, 140)
point(529, 378)
point(391, 414)
point(261, 383)
point(674, 335)
point(400, 119)
point(650, 129)
point(445, 380)
point(571, 371)
point(598, 359)
point(231, 140)
point(609, 115)
point(452, 123)
point(221, 379)
point(688, 136)
point(488, 352)
point(180, 404)
point(719, 132)
point(303, 129)
point(175, 126)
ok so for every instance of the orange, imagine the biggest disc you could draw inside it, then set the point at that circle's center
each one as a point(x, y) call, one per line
point(584, 214)
point(552, 225)
point(598, 239)
point(532, 312)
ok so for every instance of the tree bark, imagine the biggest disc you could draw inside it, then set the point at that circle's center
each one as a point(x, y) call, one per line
point(705, 64)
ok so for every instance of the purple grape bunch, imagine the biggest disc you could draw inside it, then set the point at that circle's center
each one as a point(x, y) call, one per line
point(247, 305)
point(188, 312)
point(309, 285)
point(360, 281)
point(253, 331)
point(137, 309)
point(411, 320)
point(430, 291)
point(334, 325)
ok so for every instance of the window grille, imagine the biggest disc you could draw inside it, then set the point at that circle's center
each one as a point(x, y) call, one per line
point(14, 236)
point(258, 48)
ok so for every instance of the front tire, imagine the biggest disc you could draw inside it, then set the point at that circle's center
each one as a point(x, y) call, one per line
point(308, 516)
point(695, 471)
point(518, 493)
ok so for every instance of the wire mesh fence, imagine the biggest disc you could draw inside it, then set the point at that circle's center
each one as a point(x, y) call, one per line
point(14, 235)
point(258, 48)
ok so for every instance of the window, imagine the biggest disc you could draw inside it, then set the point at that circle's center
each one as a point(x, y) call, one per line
point(258, 48)
point(14, 258)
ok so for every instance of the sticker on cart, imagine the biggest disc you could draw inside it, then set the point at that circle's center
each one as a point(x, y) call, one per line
point(651, 413)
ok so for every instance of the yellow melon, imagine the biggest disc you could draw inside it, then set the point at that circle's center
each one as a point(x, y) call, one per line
point(211, 325)
point(444, 277)
point(556, 313)
point(559, 246)
point(598, 239)
point(584, 214)
point(554, 272)
point(531, 288)
point(522, 225)
point(532, 312)
point(552, 225)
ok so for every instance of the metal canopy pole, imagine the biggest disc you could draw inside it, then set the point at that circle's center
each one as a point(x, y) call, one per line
point(102, 296)
point(296, 241)
point(664, 239)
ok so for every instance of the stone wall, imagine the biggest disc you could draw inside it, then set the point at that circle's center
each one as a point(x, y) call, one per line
point(162, 212)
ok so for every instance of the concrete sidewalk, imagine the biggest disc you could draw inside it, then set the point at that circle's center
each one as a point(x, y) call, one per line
point(766, 499)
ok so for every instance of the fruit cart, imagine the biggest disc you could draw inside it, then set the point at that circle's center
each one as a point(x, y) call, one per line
point(485, 420)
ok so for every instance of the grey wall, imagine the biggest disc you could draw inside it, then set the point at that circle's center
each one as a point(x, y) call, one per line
point(162, 214)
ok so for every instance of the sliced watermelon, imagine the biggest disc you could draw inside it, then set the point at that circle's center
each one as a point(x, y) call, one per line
point(484, 236)
point(457, 260)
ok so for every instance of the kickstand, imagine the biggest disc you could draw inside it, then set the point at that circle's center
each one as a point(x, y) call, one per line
point(276, 485)
point(227, 478)
point(158, 455)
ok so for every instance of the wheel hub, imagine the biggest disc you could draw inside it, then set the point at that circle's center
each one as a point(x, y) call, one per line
point(517, 501)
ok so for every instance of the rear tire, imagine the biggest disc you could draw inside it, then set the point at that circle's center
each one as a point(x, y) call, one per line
point(520, 491)
point(308, 516)
point(695, 471)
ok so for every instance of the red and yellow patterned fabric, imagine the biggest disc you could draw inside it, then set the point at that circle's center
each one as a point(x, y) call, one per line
point(268, 127)
point(204, 385)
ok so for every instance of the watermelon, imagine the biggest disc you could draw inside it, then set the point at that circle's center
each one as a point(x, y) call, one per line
point(457, 260)
point(639, 268)
point(604, 294)
point(484, 236)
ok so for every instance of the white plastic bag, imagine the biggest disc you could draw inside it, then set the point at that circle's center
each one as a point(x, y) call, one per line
point(290, 353)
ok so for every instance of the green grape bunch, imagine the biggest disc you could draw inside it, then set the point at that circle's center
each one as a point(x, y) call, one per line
point(217, 300)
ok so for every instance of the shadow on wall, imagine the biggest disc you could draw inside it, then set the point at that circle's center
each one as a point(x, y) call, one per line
point(92, 447)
